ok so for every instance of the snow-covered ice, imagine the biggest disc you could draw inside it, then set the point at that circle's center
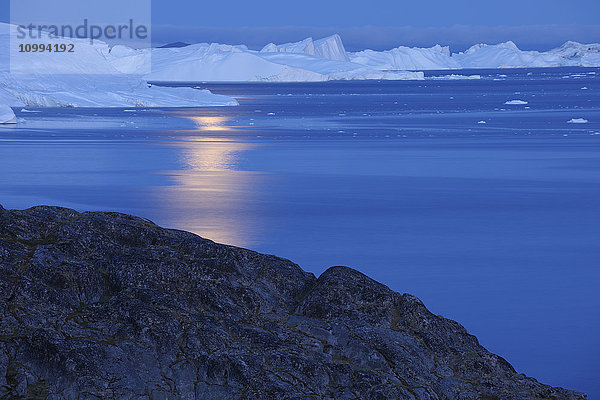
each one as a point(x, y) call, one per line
point(516, 102)
point(88, 80)
point(326, 59)
point(7, 116)
point(305, 61)
point(577, 121)
point(102, 76)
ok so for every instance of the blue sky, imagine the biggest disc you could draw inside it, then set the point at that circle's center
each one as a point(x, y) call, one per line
point(377, 24)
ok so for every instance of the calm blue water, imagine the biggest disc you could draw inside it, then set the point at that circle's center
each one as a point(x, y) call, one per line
point(495, 225)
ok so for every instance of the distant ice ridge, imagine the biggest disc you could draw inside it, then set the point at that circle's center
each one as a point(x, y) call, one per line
point(91, 81)
point(326, 59)
point(7, 116)
point(117, 77)
point(305, 61)
point(503, 55)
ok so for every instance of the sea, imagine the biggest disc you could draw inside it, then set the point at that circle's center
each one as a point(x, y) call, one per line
point(476, 190)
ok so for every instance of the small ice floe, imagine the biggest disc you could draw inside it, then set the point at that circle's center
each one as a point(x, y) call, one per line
point(129, 110)
point(271, 114)
point(584, 88)
point(453, 77)
point(577, 121)
point(29, 111)
point(482, 122)
point(516, 102)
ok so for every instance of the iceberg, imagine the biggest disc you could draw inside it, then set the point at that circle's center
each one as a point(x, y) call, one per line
point(516, 102)
point(329, 48)
point(7, 116)
point(326, 59)
point(88, 80)
point(118, 76)
point(407, 58)
point(577, 121)
point(305, 61)
point(502, 55)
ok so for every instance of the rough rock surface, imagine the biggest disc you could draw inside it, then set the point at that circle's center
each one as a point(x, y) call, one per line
point(109, 306)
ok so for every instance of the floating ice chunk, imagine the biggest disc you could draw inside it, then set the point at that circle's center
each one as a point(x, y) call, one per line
point(577, 121)
point(516, 102)
point(453, 77)
point(584, 88)
point(482, 122)
point(24, 110)
point(7, 116)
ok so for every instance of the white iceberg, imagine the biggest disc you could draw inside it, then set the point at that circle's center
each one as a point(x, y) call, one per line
point(305, 61)
point(516, 102)
point(502, 55)
point(102, 76)
point(7, 116)
point(326, 59)
point(329, 48)
point(406, 58)
point(577, 121)
point(88, 80)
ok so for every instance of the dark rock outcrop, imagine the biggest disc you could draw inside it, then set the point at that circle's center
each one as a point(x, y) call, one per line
point(109, 306)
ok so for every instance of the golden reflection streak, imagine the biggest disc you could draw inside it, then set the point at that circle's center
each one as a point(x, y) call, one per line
point(211, 195)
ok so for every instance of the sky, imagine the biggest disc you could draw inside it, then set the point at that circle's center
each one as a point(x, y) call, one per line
point(376, 24)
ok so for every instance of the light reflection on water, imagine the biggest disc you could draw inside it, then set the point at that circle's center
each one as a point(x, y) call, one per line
point(208, 194)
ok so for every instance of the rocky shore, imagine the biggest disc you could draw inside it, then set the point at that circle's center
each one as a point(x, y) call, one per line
point(110, 306)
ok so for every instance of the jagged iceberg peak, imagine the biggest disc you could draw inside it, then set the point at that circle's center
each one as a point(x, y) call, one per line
point(509, 45)
point(305, 46)
point(573, 50)
point(330, 48)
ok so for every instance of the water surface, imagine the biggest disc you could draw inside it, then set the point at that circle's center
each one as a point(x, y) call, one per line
point(495, 224)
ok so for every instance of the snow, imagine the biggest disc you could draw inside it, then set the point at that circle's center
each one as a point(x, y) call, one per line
point(329, 48)
point(516, 102)
point(101, 76)
point(326, 59)
point(577, 121)
point(453, 77)
point(7, 116)
point(87, 80)
point(305, 61)
point(406, 58)
point(502, 55)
